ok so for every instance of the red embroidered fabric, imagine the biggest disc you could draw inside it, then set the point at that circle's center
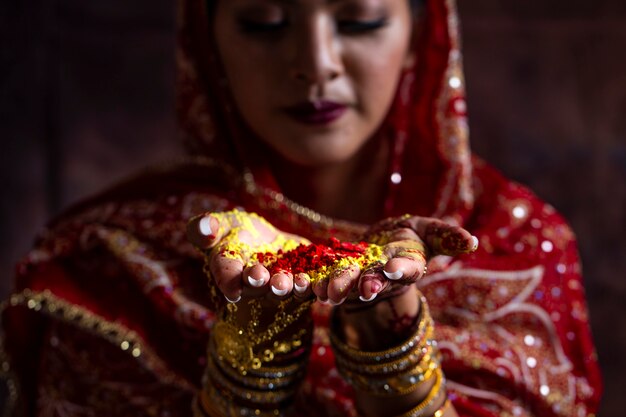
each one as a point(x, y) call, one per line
point(111, 314)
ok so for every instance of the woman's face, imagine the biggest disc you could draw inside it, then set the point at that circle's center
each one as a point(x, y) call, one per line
point(313, 79)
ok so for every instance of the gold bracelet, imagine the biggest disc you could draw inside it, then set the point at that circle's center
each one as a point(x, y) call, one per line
point(435, 394)
point(418, 349)
point(356, 355)
point(265, 398)
point(277, 372)
point(394, 386)
point(259, 382)
point(420, 355)
point(215, 404)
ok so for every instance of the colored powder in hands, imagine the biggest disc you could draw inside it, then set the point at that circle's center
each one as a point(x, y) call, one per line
point(285, 254)
point(240, 223)
point(319, 261)
point(235, 249)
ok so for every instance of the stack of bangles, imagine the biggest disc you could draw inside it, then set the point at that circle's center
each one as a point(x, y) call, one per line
point(400, 370)
point(264, 391)
point(251, 371)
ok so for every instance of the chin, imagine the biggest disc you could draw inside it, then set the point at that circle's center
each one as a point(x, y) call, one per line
point(319, 156)
point(314, 149)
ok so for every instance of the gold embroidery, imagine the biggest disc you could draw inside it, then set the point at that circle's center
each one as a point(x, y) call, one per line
point(126, 339)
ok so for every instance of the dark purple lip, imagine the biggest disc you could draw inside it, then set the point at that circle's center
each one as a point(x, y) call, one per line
point(316, 113)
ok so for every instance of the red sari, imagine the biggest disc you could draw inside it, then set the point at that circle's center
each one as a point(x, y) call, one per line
point(111, 313)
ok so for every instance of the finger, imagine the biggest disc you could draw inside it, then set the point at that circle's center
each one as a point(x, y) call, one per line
point(204, 231)
point(370, 285)
point(320, 289)
point(281, 284)
point(407, 259)
point(404, 269)
point(227, 273)
point(255, 279)
point(341, 283)
point(441, 237)
point(302, 286)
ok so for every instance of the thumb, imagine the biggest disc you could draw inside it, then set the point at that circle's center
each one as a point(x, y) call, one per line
point(205, 231)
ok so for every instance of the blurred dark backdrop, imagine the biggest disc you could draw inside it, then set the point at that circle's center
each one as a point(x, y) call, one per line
point(86, 97)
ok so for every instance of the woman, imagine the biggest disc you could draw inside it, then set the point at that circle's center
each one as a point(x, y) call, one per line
point(311, 112)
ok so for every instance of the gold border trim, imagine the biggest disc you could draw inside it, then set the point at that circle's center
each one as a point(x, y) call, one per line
point(124, 338)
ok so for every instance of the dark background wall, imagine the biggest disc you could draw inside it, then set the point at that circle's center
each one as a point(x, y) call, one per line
point(86, 97)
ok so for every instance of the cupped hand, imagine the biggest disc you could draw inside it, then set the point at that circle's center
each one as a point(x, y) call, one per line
point(407, 244)
point(234, 243)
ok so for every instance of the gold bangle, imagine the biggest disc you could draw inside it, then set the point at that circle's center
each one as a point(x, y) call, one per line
point(259, 382)
point(416, 354)
point(394, 386)
point(214, 403)
point(436, 392)
point(360, 356)
point(263, 398)
point(421, 355)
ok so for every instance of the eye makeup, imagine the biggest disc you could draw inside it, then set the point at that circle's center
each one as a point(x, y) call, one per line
point(352, 17)
point(361, 17)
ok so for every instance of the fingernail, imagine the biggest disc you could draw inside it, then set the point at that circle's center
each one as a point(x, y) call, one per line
point(332, 303)
point(475, 243)
point(299, 289)
point(232, 301)
point(255, 282)
point(205, 226)
point(394, 276)
point(368, 299)
point(278, 292)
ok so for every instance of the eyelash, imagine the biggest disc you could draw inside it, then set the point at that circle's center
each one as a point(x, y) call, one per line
point(350, 27)
point(355, 27)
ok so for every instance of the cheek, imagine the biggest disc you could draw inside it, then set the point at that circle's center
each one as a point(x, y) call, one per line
point(247, 77)
point(251, 71)
point(376, 76)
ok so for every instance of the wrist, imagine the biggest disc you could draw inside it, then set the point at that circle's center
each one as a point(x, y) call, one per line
point(408, 372)
point(256, 359)
point(381, 324)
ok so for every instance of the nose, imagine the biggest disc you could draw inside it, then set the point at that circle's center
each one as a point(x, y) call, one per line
point(317, 58)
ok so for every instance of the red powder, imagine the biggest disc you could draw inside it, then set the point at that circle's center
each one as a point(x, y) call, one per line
point(310, 257)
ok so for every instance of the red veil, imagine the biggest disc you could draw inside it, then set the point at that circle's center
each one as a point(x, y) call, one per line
point(111, 313)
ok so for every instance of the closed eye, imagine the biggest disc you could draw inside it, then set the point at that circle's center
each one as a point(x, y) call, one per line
point(361, 26)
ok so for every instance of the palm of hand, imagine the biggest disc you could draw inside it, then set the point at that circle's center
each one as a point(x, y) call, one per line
point(233, 242)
